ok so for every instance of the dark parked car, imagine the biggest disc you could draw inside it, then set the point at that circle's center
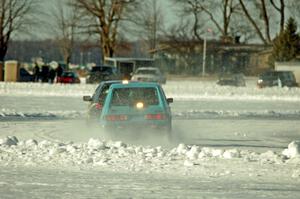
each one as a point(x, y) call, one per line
point(25, 76)
point(277, 78)
point(102, 73)
point(97, 100)
point(68, 77)
point(232, 80)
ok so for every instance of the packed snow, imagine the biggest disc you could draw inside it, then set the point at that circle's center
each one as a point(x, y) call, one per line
point(42, 145)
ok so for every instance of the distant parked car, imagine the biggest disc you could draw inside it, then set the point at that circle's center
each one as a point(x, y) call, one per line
point(148, 74)
point(232, 80)
point(68, 77)
point(96, 101)
point(25, 76)
point(102, 73)
point(277, 78)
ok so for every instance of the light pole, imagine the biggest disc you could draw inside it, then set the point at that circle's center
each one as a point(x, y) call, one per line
point(204, 57)
point(204, 52)
point(81, 58)
point(89, 57)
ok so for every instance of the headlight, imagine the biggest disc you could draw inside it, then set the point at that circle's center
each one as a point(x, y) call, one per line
point(260, 81)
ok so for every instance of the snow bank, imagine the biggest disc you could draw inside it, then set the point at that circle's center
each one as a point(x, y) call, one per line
point(97, 152)
point(180, 90)
point(187, 114)
point(11, 113)
point(196, 114)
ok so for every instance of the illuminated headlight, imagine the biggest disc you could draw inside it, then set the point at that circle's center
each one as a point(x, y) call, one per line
point(140, 105)
point(260, 81)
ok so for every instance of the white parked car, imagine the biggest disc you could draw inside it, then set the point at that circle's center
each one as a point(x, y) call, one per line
point(148, 74)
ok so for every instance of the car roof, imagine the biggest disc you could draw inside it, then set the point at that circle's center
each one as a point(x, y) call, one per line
point(135, 85)
point(147, 68)
point(111, 82)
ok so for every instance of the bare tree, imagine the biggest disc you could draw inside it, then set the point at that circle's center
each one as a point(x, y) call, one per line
point(15, 16)
point(293, 7)
point(149, 21)
point(281, 9)
point(212, 10)
point(265, 16)
point(66, 21)
point(253, 22)
point(104, 20)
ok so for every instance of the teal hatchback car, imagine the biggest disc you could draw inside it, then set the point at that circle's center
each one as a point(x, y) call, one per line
point(136, 106)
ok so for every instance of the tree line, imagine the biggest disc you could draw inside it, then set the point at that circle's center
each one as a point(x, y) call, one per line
point(111, 21)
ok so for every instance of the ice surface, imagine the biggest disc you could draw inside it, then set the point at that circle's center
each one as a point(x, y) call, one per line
point(259, 101)
point(49, 157)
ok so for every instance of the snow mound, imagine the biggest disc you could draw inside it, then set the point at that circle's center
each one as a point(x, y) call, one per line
point(231, 153)
point(117, 154)
point(293, 150)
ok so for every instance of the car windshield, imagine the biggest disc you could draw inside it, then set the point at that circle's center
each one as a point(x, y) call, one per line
point(278, 74)
point(129, 96)
point(147, 72)
point(286, 76)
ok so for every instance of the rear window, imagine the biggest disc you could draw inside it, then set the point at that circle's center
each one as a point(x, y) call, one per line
point(130, 96)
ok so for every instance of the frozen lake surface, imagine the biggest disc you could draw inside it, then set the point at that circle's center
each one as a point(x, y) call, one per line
point(229, 143)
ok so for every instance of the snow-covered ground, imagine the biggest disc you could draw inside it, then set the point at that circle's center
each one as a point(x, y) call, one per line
point(228, 143)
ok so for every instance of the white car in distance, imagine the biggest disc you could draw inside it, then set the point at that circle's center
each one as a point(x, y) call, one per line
point(148, 74)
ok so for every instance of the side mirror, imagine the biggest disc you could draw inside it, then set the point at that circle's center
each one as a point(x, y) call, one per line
point(170, 100)
point(87, 98)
